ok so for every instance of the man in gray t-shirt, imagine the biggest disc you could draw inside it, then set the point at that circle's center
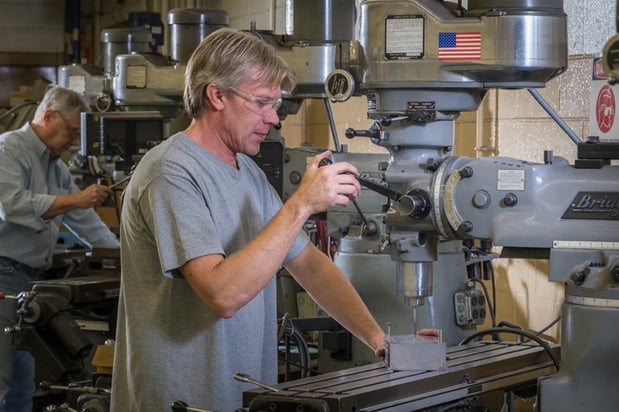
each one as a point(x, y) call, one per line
point(203, 234)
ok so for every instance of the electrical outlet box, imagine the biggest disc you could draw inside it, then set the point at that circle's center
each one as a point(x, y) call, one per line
point(470, 307)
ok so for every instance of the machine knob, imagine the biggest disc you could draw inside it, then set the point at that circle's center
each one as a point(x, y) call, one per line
point(103, 102)
point(295, 177)
point(510, 200)
point(466, 171)
point(481, 199)
point(548, 156)
point(415, 204)
point(578, 278)
point(466, 226)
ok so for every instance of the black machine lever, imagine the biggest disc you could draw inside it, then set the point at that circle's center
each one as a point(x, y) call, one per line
point(368, 229)
point(243, 377)
point(180, 406)
point(378, 188)
point(415, 203)
point(371, 133)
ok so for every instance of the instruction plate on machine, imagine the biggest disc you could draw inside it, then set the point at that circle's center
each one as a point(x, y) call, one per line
point(508, 179)
point(404, 37)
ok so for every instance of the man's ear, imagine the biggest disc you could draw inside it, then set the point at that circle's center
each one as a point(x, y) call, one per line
point(214, 95)
point(47, 116)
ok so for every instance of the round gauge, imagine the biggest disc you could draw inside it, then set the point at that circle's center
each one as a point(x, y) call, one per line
point(339, 85)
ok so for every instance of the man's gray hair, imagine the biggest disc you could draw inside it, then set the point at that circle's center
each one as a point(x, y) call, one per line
point(63, 100)
point(226, 58)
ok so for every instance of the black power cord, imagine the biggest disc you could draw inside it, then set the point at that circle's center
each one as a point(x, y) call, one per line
point(531, 336)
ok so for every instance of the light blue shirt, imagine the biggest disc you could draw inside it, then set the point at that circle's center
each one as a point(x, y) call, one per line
point(30, 180)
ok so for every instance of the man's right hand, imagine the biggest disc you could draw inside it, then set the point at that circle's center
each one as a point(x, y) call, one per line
point(94, 195)
point(323, 187)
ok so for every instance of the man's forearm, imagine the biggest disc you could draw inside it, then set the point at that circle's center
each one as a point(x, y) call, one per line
point(62, 204)
point(334, 293)
point(228, 284)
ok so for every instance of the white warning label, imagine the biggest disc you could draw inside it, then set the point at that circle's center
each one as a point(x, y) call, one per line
point(510, 179)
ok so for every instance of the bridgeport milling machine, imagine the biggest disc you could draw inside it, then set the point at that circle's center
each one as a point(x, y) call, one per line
point(420, 64)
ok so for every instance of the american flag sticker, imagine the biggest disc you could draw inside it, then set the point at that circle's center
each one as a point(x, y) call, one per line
point(459, 46)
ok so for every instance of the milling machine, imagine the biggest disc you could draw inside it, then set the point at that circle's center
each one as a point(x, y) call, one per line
point(420, 94)
point(132, 75)
point(136, 93)
point(314, 51)
point(420, 63)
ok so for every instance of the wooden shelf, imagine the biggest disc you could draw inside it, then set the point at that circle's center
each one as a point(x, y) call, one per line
point(31, 59)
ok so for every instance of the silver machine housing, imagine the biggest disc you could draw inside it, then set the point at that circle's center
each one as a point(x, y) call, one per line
point(133, 78)
point(415, 89)
point(136, 85)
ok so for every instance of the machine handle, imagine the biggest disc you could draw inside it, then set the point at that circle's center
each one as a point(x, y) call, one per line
point(243, 377)
point(369, 228)
point(415, 203)
point(5, 296)
point(180, 406)
point(21, 295)
point(371, 133)
point(380, 189)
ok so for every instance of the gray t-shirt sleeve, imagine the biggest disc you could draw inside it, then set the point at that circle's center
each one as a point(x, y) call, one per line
point(181, 220)
point(201, 206)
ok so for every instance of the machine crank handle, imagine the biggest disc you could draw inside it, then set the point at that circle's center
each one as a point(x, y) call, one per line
point(80, 389)
point(5, 296)
point(371, 133)
point(120, 182)
point(63, 407)
point(369, 229)
point(180, 406)
point(380, 189)
point(243, 377)
point(8, 330)
point(415, 203)
point(25, 295)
